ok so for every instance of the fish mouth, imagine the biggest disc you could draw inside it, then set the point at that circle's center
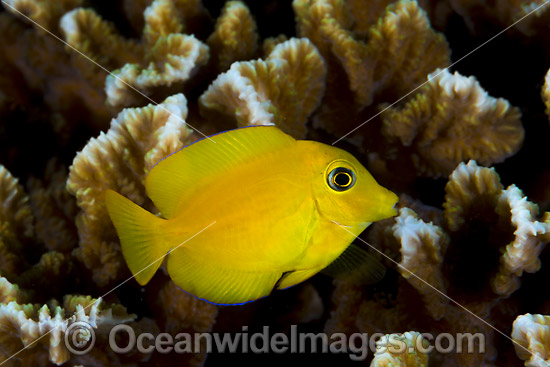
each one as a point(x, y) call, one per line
point(386, 207)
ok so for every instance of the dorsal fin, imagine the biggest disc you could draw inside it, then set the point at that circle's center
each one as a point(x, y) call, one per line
point(172, 181)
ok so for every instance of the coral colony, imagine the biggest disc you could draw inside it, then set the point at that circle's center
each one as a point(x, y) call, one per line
point(466, 254)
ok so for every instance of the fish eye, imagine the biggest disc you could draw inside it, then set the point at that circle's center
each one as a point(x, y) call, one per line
point(341, 179)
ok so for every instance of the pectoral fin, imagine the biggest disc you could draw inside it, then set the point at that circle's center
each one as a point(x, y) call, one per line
point(357, 264)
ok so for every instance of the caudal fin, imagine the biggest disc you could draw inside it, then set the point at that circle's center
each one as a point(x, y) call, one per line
point(143, 244)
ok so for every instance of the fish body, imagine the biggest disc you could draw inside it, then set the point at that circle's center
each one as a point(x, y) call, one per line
point(277, 216)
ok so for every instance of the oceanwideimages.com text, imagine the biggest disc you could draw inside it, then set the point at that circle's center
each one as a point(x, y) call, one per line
point(123, 339)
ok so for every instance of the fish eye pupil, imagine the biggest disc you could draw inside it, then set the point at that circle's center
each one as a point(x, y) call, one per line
point(341, 179)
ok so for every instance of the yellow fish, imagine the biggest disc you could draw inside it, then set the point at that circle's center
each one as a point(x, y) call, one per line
point(272, 206)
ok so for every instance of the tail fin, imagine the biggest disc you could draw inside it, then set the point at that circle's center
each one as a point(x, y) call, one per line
point(143, 244)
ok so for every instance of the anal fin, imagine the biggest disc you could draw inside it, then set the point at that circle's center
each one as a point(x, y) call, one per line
point(296, 277)
point(219, 285)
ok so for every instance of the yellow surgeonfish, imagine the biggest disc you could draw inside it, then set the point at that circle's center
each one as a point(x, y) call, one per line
point(278, 204)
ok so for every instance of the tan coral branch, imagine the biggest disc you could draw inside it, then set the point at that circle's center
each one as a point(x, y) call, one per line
point(468, 186)
point(235, 37)
point(531, 336)
point(44, 12)
point(473, 189)
point(452, 119)
point(161, 58)
point(394, 54)
point(422, 248)
point(44, 327)
point(98, 39)
point(174, 58)
point(530, 237)
point(401, 350)
point(119, 160)
point(546, 92)
point(15, 211)
point(283, 90)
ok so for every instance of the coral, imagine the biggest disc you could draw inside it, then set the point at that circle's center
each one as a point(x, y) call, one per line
point(119, 160)
point(36, 63)
point(530, 236)
point(384, 357)
point(54, 208)
point(500, 12)
point(15, 212)
point(368, 15)
point(173, 300)
point(36, 332)
point(98, 40)
point(469, 190)
point(468, 186)
point(16, 222)
point(400, 51)
point(45, 13)
point(464, 230)
point(531, 334)
point(164, 56)
point(452, 119)
point(235, 37)
point(546, 92)
point(474, 196)
point(40, 328)
point(172, 59)
point(10, 292)
point(282, 90)
point(185, 313)
point(133, 12)
point(423, 246)
point(310, 307)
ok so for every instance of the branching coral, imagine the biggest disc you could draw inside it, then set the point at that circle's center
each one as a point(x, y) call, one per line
point(235, 37)
point(452, 119)
point(98, 40)
point(25, 258)
point(473, 195)
point(423, 246)
point(16, 222)
point(54, 209)
point(400, 51)
point(472, 188)
point(546, 92)
point(499, 12)
point(282, 90)
point(531, 334)
point(184, 313)
point(469, 188)
point(164, 56)
point(352, 57)
point(400, 350)
point(172, 59)
point(45, 13)
point(119, 160)
point(15, 211)
point(33, 62)
point(530, 236)
point(37, 328)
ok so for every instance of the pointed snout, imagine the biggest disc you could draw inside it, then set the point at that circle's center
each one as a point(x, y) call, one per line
point(382, 205)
